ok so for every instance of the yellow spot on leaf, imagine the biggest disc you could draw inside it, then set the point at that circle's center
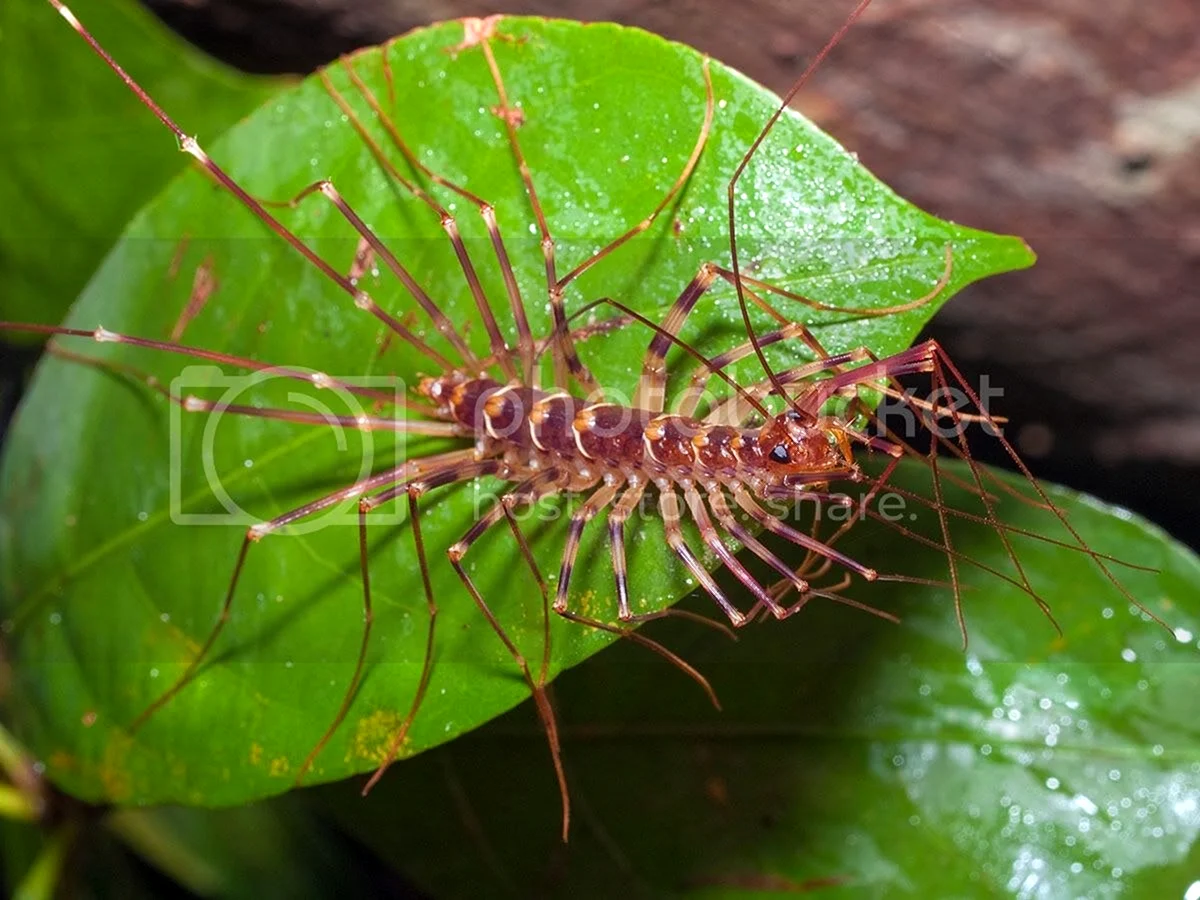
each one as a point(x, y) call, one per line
point(373, 735)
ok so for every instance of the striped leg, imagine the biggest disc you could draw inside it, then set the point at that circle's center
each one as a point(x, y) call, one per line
point(725, 517)
point(651, 388)
point(191, 146)
point(596, 503)
point(668, 504)
point(308, 376)
point(712, 540)
point(325, 188)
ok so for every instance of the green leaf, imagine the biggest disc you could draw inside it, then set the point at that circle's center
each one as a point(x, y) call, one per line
point(80, 156)
point(878, 759)
point(109, 590)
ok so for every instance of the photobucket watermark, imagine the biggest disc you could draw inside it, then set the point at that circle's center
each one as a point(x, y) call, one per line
point(215, 414)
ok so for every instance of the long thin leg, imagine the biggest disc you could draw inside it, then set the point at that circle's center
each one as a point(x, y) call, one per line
point(191, 146)
point(598, 500)
point(192, 403)
point(635, 316)
point(743, 499)
point(104, 336)
point(486, 211)
point(720, 508)
point(523, 492)
point(712, 540)
point(326, 188)
point(650, 644)
point(684, 176)
point(923, 359)
point(616, 539)
point(414, 491)
point(734, 409)
point(360, 663)
point(567, 356)
point(668, 505)
point(457, 461)
point(931, 359)
point(688, 400)
point(731, 189)
point(650, 393)
point(853, 311)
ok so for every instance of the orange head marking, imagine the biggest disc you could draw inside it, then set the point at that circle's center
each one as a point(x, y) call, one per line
point(798, 450)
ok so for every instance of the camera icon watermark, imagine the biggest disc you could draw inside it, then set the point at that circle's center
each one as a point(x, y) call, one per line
point(363, 415)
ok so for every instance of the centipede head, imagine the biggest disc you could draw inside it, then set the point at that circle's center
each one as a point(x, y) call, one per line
point(799, 450)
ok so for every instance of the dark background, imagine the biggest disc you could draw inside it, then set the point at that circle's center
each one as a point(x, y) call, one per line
point(1074, 124)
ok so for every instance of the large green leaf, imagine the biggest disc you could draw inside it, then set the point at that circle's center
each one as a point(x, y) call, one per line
point(107, 595)
point(79, 158)
point(879, 760)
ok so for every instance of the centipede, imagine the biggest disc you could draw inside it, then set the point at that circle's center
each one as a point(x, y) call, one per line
point(517, 405)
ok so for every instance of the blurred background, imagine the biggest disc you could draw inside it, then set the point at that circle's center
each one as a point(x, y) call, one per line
point(1074, 124)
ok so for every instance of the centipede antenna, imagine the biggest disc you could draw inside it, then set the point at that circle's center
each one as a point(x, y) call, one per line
point(737, 174)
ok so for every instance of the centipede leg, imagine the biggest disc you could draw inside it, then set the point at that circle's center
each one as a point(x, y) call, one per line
point(684, 176)
point(743, 498)
point(566, 358)
point(720, 508)
point(525, 343)
point(444, 462)
point(650, 644)
point(616, 538)
point(326, 189)
point(192, 147)
point(668, 505)
point(712, 540)
point(598, 500)
point(528, 490)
